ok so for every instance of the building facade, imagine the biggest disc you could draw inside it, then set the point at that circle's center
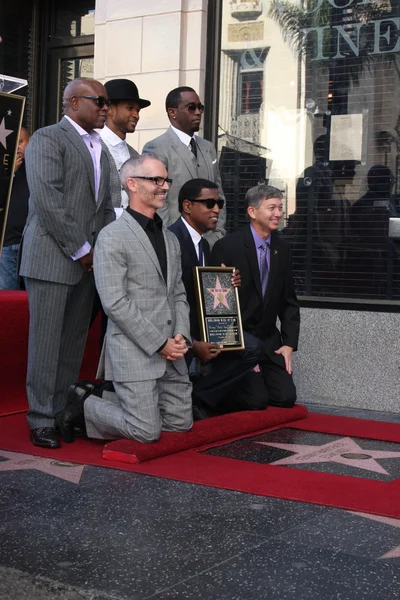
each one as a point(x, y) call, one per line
point(303, 95)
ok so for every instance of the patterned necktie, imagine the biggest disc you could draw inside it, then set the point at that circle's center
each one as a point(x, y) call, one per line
point(193, 146)
point(201, 252)
point(264, 267)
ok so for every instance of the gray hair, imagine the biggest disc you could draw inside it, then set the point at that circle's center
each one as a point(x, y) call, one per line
point(258, 193)
point(135, 166)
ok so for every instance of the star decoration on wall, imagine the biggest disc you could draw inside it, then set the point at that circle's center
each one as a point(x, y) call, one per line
point(219, 294)
point(344, 452)
point(4, 133)
point(22, 462)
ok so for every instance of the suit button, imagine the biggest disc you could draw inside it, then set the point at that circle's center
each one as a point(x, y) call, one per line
point(169, 322)
point(93, 233)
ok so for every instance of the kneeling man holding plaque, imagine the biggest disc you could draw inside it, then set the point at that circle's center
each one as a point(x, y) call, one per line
point(215, 325)
point(266, 293)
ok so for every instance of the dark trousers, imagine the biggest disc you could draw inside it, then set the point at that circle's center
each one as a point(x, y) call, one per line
point(272, 386)
point(228, 370)
point(233, 385)
point(97, 307)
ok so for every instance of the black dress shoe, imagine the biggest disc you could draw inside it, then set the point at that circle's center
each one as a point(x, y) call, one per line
point(72, 417)
point(45, 437)
point(200, 410)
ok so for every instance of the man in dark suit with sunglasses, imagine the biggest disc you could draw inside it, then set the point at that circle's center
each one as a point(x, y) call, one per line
point(213, 393)
point(185, 155)
point(68, 177)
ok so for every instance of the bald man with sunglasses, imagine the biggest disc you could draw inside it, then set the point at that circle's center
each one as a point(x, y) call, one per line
point(185, 155)
point(68, 177)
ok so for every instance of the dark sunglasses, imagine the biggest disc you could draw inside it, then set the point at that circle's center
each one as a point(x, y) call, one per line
point(192, 107)
point(209, 202)
point(157, 180)
point(99, 100)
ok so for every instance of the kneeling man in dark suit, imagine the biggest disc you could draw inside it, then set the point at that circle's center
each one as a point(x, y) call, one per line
point(266, 291)
point(218, 390)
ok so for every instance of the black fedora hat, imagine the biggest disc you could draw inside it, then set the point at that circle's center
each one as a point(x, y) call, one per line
point(124, 89)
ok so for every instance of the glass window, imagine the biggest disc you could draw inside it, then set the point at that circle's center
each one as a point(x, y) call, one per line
point(73, 19)
point(309, 102)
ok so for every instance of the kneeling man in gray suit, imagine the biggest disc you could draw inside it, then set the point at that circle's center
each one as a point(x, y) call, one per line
point(137, 267)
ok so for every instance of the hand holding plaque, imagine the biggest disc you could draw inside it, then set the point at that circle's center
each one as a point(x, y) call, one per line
point(218, 307)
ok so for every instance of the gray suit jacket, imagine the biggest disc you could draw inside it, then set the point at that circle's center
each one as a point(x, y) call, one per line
point(115, 182)
point(63, 213)
point(143, 309)
point(182, 166)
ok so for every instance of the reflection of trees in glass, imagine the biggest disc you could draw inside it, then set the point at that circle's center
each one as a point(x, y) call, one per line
point(346, 36)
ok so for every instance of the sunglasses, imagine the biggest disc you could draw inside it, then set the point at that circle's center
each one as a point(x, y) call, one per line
point(209, 202)
point(157, 180)
point(192, 106)
point(99, 100)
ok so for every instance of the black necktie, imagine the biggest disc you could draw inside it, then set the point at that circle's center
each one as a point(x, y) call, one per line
point(193, 146)
point(201, 252)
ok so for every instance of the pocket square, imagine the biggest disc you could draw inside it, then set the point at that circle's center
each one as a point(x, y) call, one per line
point(214, 161)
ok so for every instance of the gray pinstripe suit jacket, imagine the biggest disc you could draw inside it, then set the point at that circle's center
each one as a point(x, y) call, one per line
point(182, 166)
point(63, 213)
point(115, 182)
point(143, 309)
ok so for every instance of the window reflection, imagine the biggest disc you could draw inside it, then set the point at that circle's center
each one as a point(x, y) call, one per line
point(74, 19)
point(309, 103)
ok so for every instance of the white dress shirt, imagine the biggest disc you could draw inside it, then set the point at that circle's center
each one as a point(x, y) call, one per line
point(196, 237)
point(120, 153)
point(184, 137)
point(92, 141)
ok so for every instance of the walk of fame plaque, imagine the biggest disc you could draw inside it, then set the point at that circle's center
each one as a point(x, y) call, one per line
point(11, 111)
point(218, 307)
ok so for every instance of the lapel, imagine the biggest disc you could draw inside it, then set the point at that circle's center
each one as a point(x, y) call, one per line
point(169, 259)
point(251, 254)
point(183, 151)
point(188, 244)
point(273, 266)
point(202, 158)
point(80, 145)
point(104, 168)
point(142, 237)
point(206, 249)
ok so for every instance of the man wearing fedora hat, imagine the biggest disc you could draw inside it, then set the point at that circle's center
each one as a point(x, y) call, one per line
point(122, 118)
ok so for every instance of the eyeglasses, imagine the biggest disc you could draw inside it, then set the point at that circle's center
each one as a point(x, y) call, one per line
point(209, 202)
point(100, 100)
point(157, 180)
point(192, 107)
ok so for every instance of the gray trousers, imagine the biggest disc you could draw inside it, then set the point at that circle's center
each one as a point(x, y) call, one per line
point(58, 326)
point(140, 410)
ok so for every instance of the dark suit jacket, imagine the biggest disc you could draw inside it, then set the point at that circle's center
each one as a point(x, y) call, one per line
point(189, 261)
point(259, 315)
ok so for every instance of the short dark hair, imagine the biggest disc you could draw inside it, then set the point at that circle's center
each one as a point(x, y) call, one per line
point(258, 193)
point(174, 96)
point(193, 189)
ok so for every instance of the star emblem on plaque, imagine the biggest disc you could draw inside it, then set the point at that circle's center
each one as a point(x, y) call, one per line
point(218, 307)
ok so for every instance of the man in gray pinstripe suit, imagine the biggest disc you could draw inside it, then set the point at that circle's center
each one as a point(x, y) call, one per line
point(137, 266)
point(68, 178)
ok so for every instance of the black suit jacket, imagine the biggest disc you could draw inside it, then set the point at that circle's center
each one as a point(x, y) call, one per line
point(189, 261)
point(259, 314)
